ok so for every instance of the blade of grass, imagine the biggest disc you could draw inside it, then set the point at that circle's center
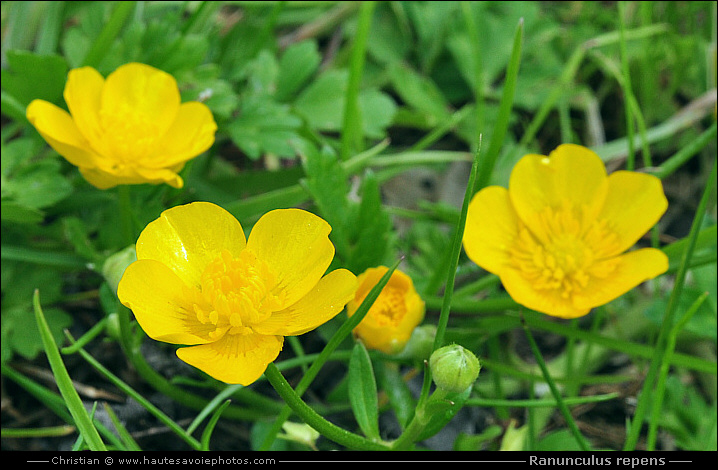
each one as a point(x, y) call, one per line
point(64, 383)
point(112, 28)
point(46, 258)
point(554, 390)
point(207, 433)
point(52, 431)
point(49, 31)
point(212, 406)
point(125, 436)
point(663, 374)
point(352, 129)
point(630, 161)
point(539, 403)
point(661, 343)
point(486, 164)
point(569, 72)
point(684, 154)
point(478, 84)
point(415, 427)
point(156, 412)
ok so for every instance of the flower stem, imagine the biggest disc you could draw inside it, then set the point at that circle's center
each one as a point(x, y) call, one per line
point(126, 223)
point(313, 419)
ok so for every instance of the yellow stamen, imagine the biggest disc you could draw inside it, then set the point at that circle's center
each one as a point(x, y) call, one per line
point(236, 293)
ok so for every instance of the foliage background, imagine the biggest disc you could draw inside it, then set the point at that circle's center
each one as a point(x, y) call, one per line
point(388, 171)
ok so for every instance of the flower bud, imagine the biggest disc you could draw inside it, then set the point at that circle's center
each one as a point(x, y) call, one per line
point(420, 345)
point(454, 368)
point(392, 318)
point(115, 265)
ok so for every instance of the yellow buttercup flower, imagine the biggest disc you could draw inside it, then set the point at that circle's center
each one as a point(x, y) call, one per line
point(556, 238)
point(198, 282)
point(392, 318)
point(128, 129)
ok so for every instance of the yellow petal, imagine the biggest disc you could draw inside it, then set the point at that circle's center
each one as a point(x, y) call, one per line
point(491, 226)
point(550, 302)
point(187, 238)
point(634, 268)
point(141, 97)
point(634, 204)
point(572, 176)
point(234, 359)
point(295, 245)
point(105, 179)
point(320, 305)
point(155, 295)
point(60, 132)
point(83, 93)
point(191, 133)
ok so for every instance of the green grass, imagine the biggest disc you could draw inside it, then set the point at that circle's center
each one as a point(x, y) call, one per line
point(382, 118)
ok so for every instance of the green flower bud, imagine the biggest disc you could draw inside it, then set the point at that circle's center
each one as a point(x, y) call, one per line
point(420, 343)
point(454, 368)
point(115, 265)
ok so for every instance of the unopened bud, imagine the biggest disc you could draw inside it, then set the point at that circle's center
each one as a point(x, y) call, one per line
point(115, 265)
point(454, 368)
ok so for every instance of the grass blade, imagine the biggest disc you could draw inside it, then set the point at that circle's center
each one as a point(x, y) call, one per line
point(502, 120)
point(64, 383)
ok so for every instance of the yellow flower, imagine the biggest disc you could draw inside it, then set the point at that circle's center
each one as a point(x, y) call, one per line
point(198, 282)
point(392, 318)
point(128, 129)
point(556, 238)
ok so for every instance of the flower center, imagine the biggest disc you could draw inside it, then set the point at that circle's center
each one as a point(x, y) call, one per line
point(130, 135)
point(567, 252)
point(389, 308)
point(236, 293)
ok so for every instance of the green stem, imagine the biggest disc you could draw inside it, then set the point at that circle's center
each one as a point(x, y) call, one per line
point(313, 419)
point(126, 216)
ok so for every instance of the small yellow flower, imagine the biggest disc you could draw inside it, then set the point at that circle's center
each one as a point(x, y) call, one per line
point(392, 318)
point(128, 129)
point(557, 236)
point(198, 282)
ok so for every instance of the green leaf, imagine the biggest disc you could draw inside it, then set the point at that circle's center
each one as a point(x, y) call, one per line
point(371, 242)
point(264, 127)
point(397, 390)
point(37, 185)
point(327, 183)
point(296, 66)
point(420, 93)
point(362, 391)
point(444, 413)
point(322, 105)
point(30, 76)
point(13, 212)
point(23, 336)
